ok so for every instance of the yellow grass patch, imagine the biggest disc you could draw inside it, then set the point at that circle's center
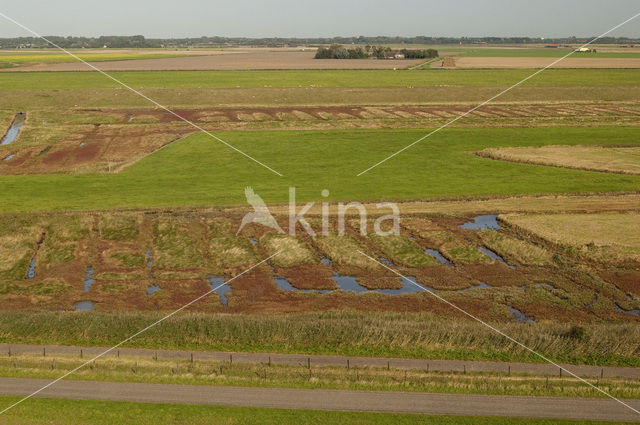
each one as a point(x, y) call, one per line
point(513, 248)
point(344, 250)
point(293, 252)
point(624, 160)
point(610, 236)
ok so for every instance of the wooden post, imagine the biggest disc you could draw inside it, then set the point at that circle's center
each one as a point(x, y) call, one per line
point(155, 356)
point(560, 372)
point(388, 365)
point(53, 364)
point(509, 373)
point(81, 353)
point(269, 361)
point(309, 363)
point(601, 373)
point(44, 351)
point(230, 358)
point(191, 357)
point(464, 369)
point(9, 351)
point(427, 367)
point(405, 376)
point(118, 354)
point(348, 366)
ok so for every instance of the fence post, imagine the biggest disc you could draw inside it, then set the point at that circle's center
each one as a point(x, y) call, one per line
point(81, 353)
point(44, 351)
point(348, 366)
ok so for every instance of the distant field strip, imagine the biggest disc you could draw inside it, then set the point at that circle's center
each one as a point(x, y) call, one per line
point(318, 78)
point(624, 160)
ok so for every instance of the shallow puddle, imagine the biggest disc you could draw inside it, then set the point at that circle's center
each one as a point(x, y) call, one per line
point(519, 316)
point(545, 285)
point(634, 312)
point(483, 222)
point(326, 261)
point(10, 157)
point(482, 285)
point(218, 285)
point(149, 263)
point(14, 129)
point(84, 305)
point(494, 256)
point(152, 288)
point(409, 286)
point(253, 241)
point(386, 261)
point(88, 279)
point(348, 283)
point(438, 256)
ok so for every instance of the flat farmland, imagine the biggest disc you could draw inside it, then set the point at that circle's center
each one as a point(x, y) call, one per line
point(238, 59)
point(124, 207)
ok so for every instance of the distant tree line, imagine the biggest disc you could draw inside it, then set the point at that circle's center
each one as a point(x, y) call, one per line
point(138, 41)
point(337, 51)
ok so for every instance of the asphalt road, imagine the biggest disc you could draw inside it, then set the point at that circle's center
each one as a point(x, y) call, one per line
point(316, 360)
point(371, 401)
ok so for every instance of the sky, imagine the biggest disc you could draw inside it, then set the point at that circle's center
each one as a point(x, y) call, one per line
point(326, 18)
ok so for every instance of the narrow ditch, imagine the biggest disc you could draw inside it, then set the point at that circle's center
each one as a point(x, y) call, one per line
point(14, 129)
point(31, 272)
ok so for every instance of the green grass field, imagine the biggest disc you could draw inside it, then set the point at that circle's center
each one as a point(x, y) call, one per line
point(200, 171)
point(67, 412)
point(317, 78)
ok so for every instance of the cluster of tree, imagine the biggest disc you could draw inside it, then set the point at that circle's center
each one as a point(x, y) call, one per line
point(337, 51)
point(141, 41)
point(419, 54)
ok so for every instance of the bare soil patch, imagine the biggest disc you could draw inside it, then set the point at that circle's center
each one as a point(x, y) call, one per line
point(231, 60)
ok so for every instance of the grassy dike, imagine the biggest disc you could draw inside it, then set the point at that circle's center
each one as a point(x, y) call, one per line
point(415, 335)
point(67, 412)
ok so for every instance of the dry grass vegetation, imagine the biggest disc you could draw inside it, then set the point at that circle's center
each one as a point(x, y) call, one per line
point(610, 237)
point(624, 160)
point(294, 252)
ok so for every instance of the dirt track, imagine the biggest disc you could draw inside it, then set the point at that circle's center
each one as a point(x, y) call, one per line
point(318, 360)
point(373, 401)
